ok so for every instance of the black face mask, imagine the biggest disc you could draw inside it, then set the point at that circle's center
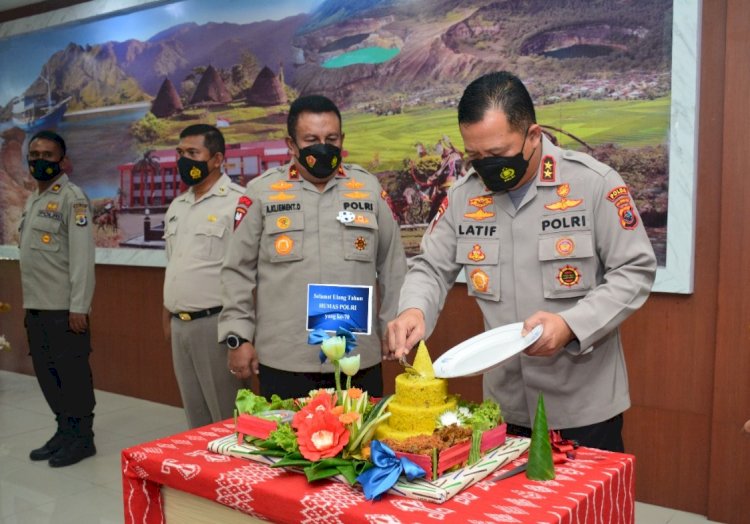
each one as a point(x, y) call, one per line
point(44, 170)
point(501, 173)
point(192, 172)
point(320, 160)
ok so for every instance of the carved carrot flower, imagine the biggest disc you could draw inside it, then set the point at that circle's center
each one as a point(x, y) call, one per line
point(321, 436)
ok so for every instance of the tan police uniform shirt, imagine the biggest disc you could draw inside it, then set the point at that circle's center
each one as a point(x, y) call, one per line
point(197, 235)
point(576, 247)
point(289, 236)
point(57, 252)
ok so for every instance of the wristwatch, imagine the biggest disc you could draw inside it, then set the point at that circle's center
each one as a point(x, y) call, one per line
point(233, 341)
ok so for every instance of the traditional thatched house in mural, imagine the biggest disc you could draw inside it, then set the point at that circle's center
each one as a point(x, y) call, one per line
point(167, 101)
point(267, 90)
point(211, 89)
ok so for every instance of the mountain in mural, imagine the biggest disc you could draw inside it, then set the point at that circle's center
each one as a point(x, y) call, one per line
point(357, 51)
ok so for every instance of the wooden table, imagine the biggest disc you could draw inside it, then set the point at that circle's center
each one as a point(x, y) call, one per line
point(176, 479)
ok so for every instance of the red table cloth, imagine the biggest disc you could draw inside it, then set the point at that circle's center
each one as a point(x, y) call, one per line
point(597, 487)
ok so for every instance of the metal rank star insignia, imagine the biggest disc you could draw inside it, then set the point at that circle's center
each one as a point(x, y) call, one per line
point(548, 169)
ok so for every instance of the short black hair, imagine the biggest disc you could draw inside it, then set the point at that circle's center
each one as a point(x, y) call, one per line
point(213, 139)
point(51, 136)
point(501, 90)
point(310, 104)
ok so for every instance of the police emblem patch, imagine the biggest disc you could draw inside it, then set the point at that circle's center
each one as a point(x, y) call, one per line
point(283, 245)
point(46, 238)
point(81, 220)
point(480, 281)
point(568, 276)
point(310, 159)
point(239, 214)
point(283, 222)
point(360, 243)
point(621, 198)
point(476, 254)
point(440, 212)
point(565, 246)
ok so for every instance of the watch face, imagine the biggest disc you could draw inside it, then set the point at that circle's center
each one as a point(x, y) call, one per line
point(233, 342)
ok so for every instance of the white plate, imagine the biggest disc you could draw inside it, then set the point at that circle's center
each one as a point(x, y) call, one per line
point(485, 351)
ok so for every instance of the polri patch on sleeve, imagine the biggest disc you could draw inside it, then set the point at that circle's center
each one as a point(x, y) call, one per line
point(81, 219)
point(243, 204)
point(620, 197)
point(440, 212)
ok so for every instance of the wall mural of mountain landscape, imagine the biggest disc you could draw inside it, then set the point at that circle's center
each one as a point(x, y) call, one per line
point(599, 72)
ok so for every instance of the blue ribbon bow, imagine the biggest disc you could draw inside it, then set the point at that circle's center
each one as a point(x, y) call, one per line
point(318, 336)
point(388, 468)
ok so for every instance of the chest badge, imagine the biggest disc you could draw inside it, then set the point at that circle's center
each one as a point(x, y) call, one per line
point(568, 276)
point(283, 222)
point(212, 218)
point(563, 190)
point(357, 194)
point(565, 246)
point(480, 203)
point(281, 185)
point(51, 206)
point(283, 245)
point(360, 243)
point(46, 238)
point(280, 197)
point(480, 281)
point(354, 184)
point(476, 254)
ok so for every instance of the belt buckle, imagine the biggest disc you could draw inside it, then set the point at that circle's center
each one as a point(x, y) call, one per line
point(185, 316)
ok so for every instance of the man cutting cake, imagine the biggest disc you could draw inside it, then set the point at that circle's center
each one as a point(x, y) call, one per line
point(545, 236)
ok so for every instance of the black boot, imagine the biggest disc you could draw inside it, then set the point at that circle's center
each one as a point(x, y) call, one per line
point(78, 446)
point(54, 444)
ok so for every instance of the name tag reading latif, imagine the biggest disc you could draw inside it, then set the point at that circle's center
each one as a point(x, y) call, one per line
point(330, 307)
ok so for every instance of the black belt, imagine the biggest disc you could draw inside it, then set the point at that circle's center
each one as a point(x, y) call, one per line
point(194, 315)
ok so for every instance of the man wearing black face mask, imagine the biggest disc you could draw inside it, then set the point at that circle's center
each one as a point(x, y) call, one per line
point(312, 241)
point(544, 236)
point(197, 228)
point(57, 276)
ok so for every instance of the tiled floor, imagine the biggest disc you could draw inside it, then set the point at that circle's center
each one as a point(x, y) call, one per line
point(90, 492)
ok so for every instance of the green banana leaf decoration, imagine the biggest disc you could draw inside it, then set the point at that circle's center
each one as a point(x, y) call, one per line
point(540, 466)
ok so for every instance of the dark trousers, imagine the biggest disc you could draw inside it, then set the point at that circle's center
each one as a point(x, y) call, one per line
point(61, 363)
point(291, 384)
point(602, 435)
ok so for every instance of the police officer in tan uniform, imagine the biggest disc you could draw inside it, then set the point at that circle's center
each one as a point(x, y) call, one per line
point(57, 276)
point(300, 228)
point(198, 226)
point(544, 236)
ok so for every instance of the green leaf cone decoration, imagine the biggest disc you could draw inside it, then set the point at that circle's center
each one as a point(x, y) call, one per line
point(541, 466)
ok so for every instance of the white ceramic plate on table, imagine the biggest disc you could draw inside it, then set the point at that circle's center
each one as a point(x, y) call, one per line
point(485, 351)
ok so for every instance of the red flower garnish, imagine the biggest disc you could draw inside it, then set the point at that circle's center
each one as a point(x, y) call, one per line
point(322, 402)
point(321, 436)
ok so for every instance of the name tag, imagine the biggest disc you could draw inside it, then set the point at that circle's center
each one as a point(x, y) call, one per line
point(330, 307)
